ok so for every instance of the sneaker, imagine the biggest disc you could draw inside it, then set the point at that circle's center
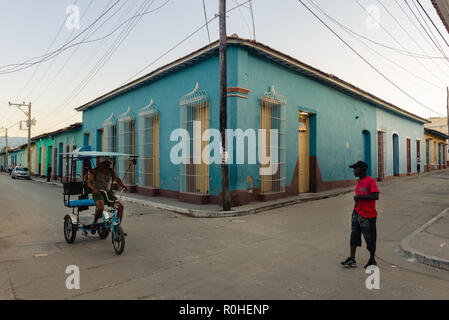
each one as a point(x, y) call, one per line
point(349, 263)
point(371, 262)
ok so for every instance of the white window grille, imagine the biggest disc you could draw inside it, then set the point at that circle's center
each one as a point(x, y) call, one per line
point(194, 173)
point(127, 144)
point(381, 154)
point(110, 134)
point(149, 146)
point(272, 117)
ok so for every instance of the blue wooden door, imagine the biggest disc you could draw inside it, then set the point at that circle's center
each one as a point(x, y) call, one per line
point(367, 150)
point(395, 154)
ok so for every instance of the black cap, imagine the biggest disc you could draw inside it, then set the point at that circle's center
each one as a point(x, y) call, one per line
point(359, 164)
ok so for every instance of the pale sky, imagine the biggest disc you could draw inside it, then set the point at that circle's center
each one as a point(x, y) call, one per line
point(28, 28)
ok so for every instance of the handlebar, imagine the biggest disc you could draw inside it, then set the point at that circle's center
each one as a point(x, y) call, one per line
point(107, 197)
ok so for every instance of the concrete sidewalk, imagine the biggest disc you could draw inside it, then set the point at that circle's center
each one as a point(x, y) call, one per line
point(214, 211)
point(429, 244)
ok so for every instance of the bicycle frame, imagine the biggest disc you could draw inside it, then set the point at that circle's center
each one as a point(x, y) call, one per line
point(109, 222)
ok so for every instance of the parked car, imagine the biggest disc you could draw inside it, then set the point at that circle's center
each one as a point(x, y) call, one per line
point(20, 172)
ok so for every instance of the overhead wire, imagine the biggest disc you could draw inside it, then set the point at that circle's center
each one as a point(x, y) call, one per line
point(205, 18)
point(48, 49)
point(424, 37)
point(76, 49)
point(109, 52)
point(53, 60)
point(397, 41)
point(432, 38)
point(45, 57)
point(179, 43)
point(355, 35)
point(431, 20)
point(158, 58)
point(366, 61)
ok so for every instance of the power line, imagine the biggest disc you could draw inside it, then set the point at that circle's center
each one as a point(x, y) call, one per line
point(205, 18)
point(366, 61)
point(425, 30)
point(395, 40)
point(417, 29)
point(179, 43)
point(410, 36)
point(160, 57)
point(352, 33)
point(252, 17)
point(46, 57)
point(53, 60)
point(244, 18)
point(122, 36)
point(106, 56)
point(77, 48)
point(48, 49)
point(432, 22)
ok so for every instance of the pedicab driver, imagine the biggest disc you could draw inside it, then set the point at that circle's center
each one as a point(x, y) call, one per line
point(101, 178)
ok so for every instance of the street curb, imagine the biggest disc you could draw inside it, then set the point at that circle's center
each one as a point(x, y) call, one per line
point(408, 251)
point(196, 213)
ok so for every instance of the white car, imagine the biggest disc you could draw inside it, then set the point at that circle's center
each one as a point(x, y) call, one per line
point(20, 172)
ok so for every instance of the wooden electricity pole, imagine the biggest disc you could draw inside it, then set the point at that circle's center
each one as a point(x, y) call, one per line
point(226, 198)
point(447, 106)
point(29, 124)
point(6, 146)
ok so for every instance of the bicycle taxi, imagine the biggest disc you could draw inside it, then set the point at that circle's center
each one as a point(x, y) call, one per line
point(76, 197)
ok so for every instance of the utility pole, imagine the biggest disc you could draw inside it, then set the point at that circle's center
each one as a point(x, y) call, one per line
point(226, 198)
point(29, 124)
point(447, 106)
point(6, 147)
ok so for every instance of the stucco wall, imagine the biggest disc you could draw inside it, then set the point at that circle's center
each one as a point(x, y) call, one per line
point(405, 128)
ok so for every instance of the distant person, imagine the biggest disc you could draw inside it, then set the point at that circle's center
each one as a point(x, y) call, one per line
point(49, 169)
point(364, 216)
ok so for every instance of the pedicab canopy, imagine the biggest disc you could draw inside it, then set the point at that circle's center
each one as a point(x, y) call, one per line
point(85, 152)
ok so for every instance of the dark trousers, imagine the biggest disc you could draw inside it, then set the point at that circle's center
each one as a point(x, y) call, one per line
point(365, 226)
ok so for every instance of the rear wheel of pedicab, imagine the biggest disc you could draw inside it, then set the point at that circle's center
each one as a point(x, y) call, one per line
point(69, 229)
point(103, 232)
point(118, 241)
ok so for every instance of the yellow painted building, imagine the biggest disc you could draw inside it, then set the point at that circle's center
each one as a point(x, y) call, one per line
point(435, 156)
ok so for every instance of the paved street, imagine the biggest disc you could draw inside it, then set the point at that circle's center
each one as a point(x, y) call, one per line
point(288, 253)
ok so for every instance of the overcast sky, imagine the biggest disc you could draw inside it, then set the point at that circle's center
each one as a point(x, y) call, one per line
point(30, 28)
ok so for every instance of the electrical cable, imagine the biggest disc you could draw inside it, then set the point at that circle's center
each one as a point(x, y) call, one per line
point(45, 57)
point(205, 18)
point(349, 31)
point(399, 43)
point(366, 61)
point(178, 44)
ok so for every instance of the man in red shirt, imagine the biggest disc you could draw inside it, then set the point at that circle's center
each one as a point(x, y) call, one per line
point(364, 215)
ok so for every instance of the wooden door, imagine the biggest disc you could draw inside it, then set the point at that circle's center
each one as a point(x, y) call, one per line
point(380, 156)
point(303, 155)
point(418, 156)
point(409, 157)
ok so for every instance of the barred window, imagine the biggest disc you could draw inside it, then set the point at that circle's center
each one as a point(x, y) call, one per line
point(194, 174)
point(110, 134)
point(127, 144)
point(149, 146)
point(272, 117)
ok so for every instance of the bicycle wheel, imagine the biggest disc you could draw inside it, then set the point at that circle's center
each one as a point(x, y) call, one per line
point(69, 230)
point(103, 232)
point(118, 239)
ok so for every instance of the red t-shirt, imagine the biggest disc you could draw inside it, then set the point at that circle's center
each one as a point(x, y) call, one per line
point(366, 208)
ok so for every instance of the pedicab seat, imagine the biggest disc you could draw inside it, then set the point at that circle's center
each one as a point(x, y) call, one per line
point(79, 203)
